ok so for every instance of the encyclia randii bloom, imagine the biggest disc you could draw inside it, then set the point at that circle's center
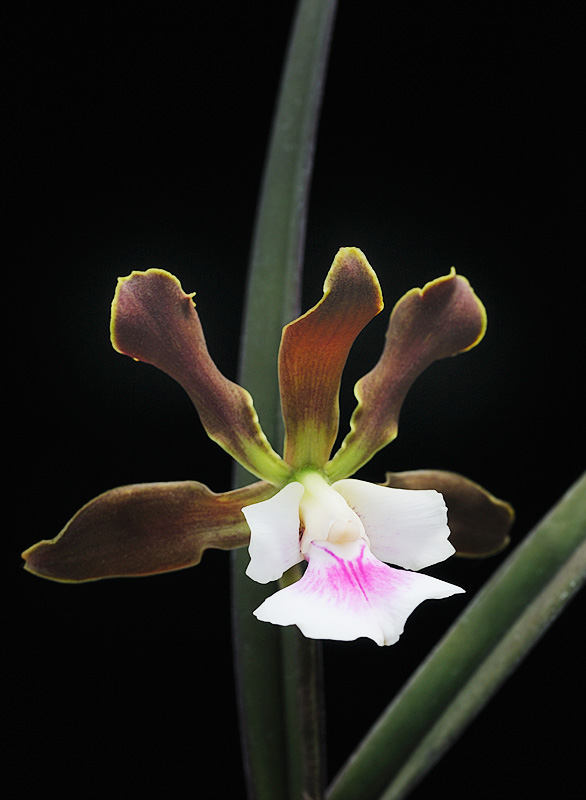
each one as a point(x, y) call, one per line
point(305, 507)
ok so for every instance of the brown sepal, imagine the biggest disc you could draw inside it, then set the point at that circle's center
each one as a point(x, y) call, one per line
point(145, 529)
point(479, 522)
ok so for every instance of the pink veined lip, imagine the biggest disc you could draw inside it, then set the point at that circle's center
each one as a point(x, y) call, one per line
point(347, 578)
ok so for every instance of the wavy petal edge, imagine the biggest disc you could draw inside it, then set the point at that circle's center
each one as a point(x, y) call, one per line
point(346, 593)
point(479, 522)
point(145, 529)
point(155, 321)
point(314, 349)
point(443, 319)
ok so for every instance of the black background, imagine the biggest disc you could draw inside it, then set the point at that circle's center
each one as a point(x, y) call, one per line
point(448, 137)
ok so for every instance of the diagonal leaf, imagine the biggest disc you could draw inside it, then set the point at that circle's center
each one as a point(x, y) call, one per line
point(492, 636)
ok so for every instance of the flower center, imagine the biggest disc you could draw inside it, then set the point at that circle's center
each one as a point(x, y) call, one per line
point(325, 515)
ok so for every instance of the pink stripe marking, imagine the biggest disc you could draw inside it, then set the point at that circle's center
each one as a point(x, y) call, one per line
point(361, 575)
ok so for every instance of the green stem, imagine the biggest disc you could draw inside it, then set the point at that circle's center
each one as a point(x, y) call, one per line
point(491, 637)
point(277, 671)
point(276, 260)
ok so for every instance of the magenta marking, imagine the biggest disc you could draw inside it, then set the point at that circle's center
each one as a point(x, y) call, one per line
point(360, 576)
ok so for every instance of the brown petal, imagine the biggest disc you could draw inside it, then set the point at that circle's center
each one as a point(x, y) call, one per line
point(153, 320)
point(145, 529)
point(442, 319)
point(313, 352)
point(479, 522)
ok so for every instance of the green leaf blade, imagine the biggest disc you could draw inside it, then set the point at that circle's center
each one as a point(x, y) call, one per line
point(279, 732)
point(492, 636)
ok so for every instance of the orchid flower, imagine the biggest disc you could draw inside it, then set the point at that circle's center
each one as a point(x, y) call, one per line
point(305, 508)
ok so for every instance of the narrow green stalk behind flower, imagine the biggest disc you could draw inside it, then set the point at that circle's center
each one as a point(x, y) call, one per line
point(281, 735)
